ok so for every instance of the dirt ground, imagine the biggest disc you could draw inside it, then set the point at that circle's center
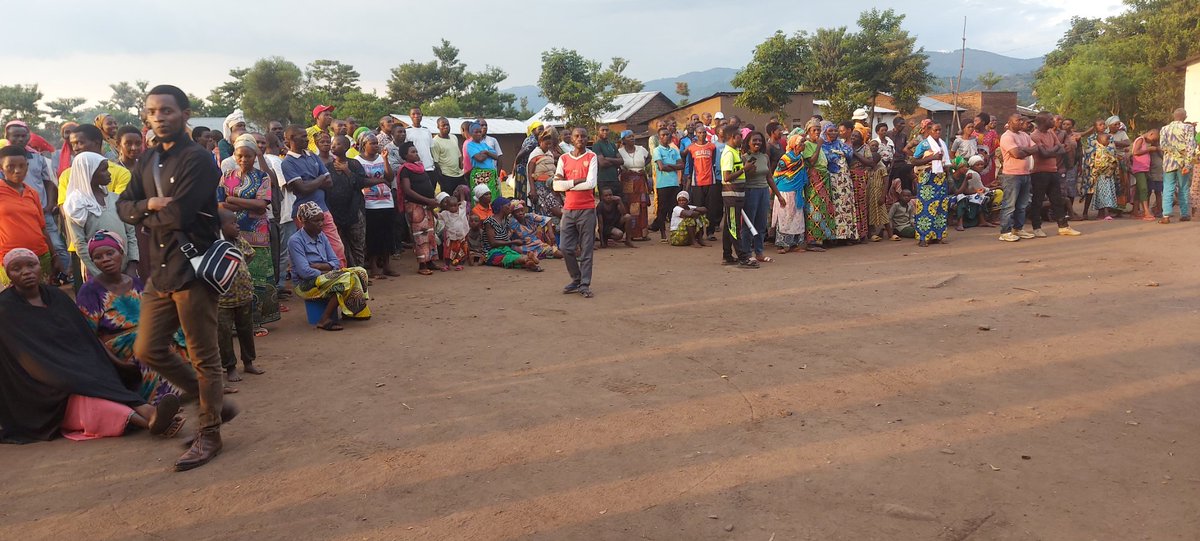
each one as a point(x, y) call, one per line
point(980, 390)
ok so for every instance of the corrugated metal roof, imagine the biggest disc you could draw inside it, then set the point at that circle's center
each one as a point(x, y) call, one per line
point(626, 106)
point(496, 126)
point(937, 106)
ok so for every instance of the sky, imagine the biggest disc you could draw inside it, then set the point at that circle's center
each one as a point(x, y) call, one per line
point(98, 43)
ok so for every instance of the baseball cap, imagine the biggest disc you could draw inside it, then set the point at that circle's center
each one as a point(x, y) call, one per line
point(321, 109)
point(719, 115)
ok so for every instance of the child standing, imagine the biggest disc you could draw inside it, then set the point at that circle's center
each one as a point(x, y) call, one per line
point(456, 227)
point(236, 308)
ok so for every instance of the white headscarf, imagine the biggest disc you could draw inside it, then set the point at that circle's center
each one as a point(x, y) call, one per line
point(80, 200)
point(233, 118)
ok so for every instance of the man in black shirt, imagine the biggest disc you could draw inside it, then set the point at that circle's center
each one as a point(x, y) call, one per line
point(345, 200)
point(179, 207)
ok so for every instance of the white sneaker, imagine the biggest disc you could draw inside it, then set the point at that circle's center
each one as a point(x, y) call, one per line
point(1023, 234)
point(1069, 232)
point(1039, 233)
point(1009, 237)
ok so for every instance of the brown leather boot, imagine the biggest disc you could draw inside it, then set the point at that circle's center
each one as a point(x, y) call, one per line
point(205, 448)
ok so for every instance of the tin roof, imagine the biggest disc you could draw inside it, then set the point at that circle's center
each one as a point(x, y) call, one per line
point(626, 105)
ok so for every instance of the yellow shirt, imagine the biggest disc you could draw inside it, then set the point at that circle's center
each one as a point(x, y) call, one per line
point(120, 180)
point(312, 137)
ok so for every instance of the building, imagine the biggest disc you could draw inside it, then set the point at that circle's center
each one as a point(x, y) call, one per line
point(927, 107)
point(509, 133)
point(1190, 68)
point(882, 114)
point(798, 110)
point(631, 112)
point(1000, 104)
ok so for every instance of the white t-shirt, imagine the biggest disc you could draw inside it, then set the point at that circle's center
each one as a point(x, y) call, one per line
point(288, 201)
point(492, 142)
point(677, 216)
point(378, 196)
point(422, 138)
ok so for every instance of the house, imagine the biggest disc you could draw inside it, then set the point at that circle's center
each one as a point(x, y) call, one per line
point(509, 133)
point(1000, 104)
point(1190, 68)
point(882, 114)
point(798, 110)
point(631, 112)
point(927, 107)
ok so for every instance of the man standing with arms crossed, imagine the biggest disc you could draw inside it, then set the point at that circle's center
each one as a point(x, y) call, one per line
point(1045, 178)
point(172, 194)
point(579, 169)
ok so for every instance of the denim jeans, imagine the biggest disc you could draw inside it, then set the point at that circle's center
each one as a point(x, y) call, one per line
point(1017, 194)
point(1175, 180)
point(758, 209)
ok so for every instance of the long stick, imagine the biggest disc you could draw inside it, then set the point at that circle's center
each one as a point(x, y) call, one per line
point(961, 64)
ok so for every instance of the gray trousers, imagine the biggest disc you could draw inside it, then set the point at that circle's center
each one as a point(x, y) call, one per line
point(578, 230)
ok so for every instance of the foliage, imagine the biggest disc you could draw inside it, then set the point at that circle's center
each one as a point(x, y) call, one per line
point(21, 102)
point(443, 86)
point(1122, 64)
point(126, 102)
point(269, 90)
point(681, 88)
point(989, 80)
point(333, 79)
point(367, 107)
point(482, 97)
point(775, 71)
point(578, 85)
point(227, 97)
point(828, 68)
point(886, 59)
point(614, 78)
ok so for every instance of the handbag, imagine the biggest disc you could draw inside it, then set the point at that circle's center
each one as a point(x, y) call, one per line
point(219, 264)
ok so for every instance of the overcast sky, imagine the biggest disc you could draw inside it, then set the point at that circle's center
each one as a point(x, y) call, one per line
point(93, 43)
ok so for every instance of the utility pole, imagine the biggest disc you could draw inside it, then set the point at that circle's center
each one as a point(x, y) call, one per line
point(961, 64)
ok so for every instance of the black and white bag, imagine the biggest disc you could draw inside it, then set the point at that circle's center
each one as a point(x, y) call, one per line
point(217, 266)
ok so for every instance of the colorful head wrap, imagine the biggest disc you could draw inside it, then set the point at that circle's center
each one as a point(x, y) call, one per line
point(517, 204)
point(925, 124)
point(474, 126)
point(499, 203)
point(308, 210)
point(360, 131)
point(104, 238)
point(19, 253)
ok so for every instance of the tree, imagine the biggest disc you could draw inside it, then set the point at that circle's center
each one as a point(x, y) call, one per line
point(64, 109)
point(418, 83)
point(483, 98)
point(574, 83)
point(21, 102)
point(227, 97)
point(885, 59)
point(989, 80)
point(775, 71)
point(828, 67)
point(681, 88)
point(333, 79)
point(366, 107)
point(270, 88)
point(614, 78)
point(126, 102)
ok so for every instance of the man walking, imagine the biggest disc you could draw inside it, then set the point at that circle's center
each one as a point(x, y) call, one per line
point(171, 193)
point(1178, 143)
point(1015, 147)
point(1045, 178)
point(576, 176)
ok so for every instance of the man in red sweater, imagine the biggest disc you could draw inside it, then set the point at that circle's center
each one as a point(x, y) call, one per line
point(576, 178)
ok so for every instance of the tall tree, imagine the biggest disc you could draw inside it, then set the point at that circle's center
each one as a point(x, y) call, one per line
point(614, 78)
point(775, 71)
point(64, 109)
point(125, 105)
point(885, 59)
point(681, 88)
point(828, 69)
point(332, 79)
point(989, 80)
point(227, 97)
point(573, 82)
point(417, 83)
point(482, 96)
point(365, 106)
point(21, 102)
point(270, 88)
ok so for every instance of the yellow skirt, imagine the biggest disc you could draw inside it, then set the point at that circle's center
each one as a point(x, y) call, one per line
point(348, 285)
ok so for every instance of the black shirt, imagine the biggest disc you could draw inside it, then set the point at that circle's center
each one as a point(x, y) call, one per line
point(420, 182)
point(345, 197)
point(190, 176)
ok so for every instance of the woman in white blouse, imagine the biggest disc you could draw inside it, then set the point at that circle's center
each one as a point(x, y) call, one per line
point(635, 188)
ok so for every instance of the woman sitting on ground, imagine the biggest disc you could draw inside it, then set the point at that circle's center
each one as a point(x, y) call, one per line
point(55, 376)
point(498, 243)
point(483, 202)
point(111, 302)
point(536, 232)
point(318, 272)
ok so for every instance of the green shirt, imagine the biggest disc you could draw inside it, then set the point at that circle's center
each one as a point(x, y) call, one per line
point(447, 155)
point(606, 149)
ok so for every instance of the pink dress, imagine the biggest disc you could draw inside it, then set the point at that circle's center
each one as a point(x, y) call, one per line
point(89, 418)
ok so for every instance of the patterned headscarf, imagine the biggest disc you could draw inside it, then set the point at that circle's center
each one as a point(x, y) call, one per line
point(104, 238)
point(308, 210)
point(19, 253)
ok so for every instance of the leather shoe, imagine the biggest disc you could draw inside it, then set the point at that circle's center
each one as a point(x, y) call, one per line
point(229, 410)
point(205, 448)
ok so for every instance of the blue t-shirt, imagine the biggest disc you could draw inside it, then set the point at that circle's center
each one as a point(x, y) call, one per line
point(666, 179)
point(474, 148)
point(305, 167)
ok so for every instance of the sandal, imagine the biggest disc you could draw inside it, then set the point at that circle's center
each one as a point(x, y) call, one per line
point(164, 414)
point(895, 237)
point(260, 332)
point(425, 272)
point(571, 288)
point(764, 259)
point(537, 269)
point(458, 267)
point(284, 308)
point(330, 326)
point(876, 238)
point(587, 293)
point(176, 425)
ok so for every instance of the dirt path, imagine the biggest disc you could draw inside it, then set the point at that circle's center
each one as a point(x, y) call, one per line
point(845, 395)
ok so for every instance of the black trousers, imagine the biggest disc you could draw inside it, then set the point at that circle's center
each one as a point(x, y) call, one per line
point(666, 203)
point(1046, 185)
point(732, 213)
point(237, 321)
point(709, 197)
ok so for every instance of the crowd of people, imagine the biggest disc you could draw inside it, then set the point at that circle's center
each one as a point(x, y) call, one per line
point(321, 212)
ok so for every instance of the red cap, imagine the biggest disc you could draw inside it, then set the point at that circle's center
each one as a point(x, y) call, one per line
point(321, 109)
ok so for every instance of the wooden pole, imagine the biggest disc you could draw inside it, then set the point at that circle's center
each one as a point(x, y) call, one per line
point(958, 86)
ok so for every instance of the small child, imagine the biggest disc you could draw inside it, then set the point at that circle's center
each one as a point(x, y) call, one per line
point(901, 217)
point(236, 308)
point(688, 222)
point(456, 228)
point(475, 241)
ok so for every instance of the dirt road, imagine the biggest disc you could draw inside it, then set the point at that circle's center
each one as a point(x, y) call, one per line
point(848, 395)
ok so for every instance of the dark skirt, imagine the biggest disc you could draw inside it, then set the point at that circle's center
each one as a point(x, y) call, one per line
point(380, 232)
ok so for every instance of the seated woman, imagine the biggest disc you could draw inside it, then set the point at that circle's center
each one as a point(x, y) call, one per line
point(536, 232)
point(498, 243)
point(483, 202)
point(111, 302)
point(55, 376)
point(318, 272)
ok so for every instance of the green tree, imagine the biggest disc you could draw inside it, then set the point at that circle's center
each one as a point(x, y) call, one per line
point(614, 78)
point(366, 107)
point(64, 109)
point(333, 79)
point(270, 89)
point(21, 102)
point(483, 98)
point(885, 59)
point(681, 88)
point(828, 68)
point(989, 80)
point(227, 97)
point(418, 83)
point(125, 104)
point(573, 82)
point(775, 71)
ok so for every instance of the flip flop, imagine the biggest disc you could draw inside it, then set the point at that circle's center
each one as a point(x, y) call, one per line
point(765, 259)
point(176, 425)
point(458, 267)
point(587, 293)
point(260, 332)
point(425, 272)
point(330, 326)
point(164, 414)
point(284, 308)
